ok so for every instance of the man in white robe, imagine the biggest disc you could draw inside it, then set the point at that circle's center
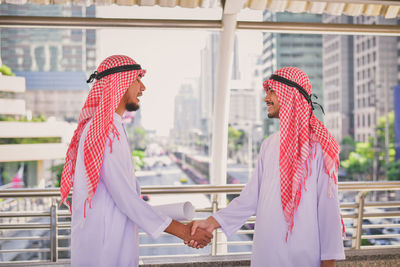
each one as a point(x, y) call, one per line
point(298, 222)
point(106, 205)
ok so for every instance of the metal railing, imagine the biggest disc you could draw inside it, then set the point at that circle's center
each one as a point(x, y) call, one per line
point(37, 212)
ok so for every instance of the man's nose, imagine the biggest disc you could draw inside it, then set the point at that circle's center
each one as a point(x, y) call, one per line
point(142, 87)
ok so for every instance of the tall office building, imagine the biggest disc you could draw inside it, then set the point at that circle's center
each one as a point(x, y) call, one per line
point(55, 94)
point(207, 79)
point(48, 49)
point(186, 116)
point(338, 82)
point(303, 51)
point(245, 98)
point(375, 75)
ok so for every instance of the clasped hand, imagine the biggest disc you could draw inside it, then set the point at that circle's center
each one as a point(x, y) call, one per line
point(201, 227)
point(200, 237)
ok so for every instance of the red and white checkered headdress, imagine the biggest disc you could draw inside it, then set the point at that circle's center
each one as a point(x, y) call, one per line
point(114, 75)
point(299, 128)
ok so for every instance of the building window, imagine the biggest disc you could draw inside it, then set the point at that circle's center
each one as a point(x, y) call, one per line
point(40, 58)
point(53, 58)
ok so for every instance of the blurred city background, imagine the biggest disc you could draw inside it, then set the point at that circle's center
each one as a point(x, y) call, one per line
point(43, 88)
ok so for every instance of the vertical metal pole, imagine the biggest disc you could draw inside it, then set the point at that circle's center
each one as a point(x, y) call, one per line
point(214, 243)
point(53, 231)
point(219, 153)
point(40, 174)
point(221, 101)
point(375, 148)
point(386, 106)
point(357, 232)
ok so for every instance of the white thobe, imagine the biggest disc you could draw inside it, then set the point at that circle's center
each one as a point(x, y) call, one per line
point(108, 236)
point(317, 232)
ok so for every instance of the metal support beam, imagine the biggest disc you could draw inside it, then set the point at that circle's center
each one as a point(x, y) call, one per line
point(53, 231)
point(102, 23)
point(279, 27)
point(321, 28)
point(221, 101)
point(219, 144)
point(357, 224)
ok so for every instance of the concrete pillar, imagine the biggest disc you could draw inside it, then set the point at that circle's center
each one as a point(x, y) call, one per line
point(219, 151)
point(40, 174)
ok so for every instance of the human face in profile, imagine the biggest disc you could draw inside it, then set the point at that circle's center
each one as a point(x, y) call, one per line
point(271, 99)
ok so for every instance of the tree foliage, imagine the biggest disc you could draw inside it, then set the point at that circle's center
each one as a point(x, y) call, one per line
point(357, 158)
point(57, 171)
point(138, 156)
point(6, 70)
point(139, 140)
point(359, 162)
point(235, 140)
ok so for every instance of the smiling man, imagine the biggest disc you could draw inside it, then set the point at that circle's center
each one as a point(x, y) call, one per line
point(293, 190)
point(106, 205)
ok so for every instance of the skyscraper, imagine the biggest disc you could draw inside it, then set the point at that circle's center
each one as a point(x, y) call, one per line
point(303, 51)
point(375, 75)
point(338, 82)
point(44, 49)
point(186, 117)
point(208, 76)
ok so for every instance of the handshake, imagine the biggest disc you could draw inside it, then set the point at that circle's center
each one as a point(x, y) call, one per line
point(200, 232)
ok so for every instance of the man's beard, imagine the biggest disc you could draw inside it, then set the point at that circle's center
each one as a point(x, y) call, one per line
point(132, 106)
point(273, 115)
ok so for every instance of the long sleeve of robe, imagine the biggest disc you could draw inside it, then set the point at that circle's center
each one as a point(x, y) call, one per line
point(108, 236)
point(317, 232)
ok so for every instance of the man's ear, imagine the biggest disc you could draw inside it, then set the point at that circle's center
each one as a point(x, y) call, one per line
point(125, 95)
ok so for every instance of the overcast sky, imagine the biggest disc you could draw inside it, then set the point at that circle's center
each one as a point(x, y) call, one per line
point(169, 56)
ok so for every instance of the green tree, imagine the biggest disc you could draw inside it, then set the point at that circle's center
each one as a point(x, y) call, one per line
point(138, 156)
point(57, 171)
point(139, 140)
point(40, 118)
point(235, 140)
point(393, 171)
point(392, 168)
point(6, 70)
point(347, 145)
point(359, 162)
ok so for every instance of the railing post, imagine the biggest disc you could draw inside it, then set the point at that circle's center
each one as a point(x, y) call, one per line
point(214, 243)
point(53, 231)
point(357, 225)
